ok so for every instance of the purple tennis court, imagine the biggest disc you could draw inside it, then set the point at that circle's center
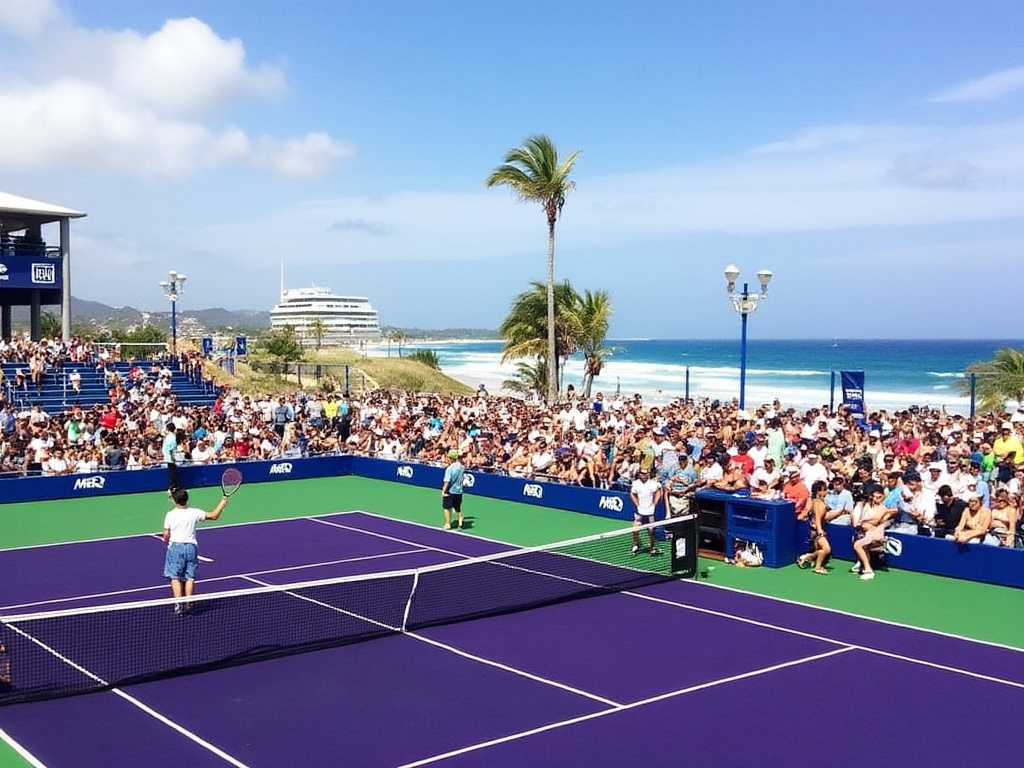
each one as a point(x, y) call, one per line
point(652, 671)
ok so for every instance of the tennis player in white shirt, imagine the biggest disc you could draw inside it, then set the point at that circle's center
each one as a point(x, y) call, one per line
point(179, 534)
point(645, 493)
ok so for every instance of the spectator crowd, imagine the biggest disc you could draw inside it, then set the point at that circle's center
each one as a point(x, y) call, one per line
point(939, 473)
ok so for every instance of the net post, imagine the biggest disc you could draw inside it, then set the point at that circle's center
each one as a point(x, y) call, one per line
point(412, 594)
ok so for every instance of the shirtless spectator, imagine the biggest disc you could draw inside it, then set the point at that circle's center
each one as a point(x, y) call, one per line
point(734, 479)
point(1004, 519)
point(518, 462)
point(870, 524)
point(974, 524)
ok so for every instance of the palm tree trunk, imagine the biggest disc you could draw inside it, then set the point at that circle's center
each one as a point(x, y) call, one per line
point(552, 356)
point(588, 382)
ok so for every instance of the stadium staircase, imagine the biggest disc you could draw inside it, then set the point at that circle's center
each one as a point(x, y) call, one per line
point(57, 394)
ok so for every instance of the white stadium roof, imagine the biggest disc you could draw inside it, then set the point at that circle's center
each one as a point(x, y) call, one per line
point(17, 213)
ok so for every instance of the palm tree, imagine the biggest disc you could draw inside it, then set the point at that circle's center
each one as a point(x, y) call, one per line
point(394, 335)
point(526, 328)
point(592, 315)
point(534, 173)
point(998, 380)
point(528, 378)
point(317, 329)
point(49, 325)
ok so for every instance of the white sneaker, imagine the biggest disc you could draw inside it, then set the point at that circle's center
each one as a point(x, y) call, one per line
point(447, 527)
point(856, 568)
point(634, 550)
point(867, 576)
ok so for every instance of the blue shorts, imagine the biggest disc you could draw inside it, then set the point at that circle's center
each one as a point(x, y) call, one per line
point(181, 562)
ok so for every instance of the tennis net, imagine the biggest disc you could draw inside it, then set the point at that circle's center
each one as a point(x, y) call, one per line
point(66, 652)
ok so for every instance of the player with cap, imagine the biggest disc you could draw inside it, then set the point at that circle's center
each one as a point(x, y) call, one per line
point(451, 490)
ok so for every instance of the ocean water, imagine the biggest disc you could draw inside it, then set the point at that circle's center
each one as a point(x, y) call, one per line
point(897, 373)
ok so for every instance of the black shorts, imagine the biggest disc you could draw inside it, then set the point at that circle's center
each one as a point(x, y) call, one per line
point(452, 501)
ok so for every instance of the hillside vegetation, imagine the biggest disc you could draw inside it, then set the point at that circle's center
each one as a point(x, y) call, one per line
point(324, 370)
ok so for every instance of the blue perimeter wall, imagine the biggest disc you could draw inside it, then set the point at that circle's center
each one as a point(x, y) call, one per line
point(979, 562)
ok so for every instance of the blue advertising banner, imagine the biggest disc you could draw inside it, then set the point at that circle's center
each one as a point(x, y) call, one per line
point(769, 524)
point(853, 392)
point(593, 501)
point(207, 345)
point(29, 272)
point(241, 346)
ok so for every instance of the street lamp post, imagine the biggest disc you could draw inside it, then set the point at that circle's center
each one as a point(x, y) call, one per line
point(173, 288)
point(745, 302)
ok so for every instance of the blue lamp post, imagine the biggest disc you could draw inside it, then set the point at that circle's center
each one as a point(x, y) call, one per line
point(173, 289)
point(745, 302)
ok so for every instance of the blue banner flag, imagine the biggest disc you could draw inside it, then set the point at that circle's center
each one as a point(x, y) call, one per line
point(207, 345)
point(241, 346)
point(853, 392)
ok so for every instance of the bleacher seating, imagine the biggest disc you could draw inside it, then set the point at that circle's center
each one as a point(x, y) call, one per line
point(57, 393)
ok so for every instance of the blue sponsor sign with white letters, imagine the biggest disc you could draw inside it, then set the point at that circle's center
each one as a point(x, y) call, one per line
point(21, 272)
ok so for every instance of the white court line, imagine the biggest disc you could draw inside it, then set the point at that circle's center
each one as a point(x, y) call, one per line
point(812, 636)
point(862, 617)
point(809, 635)
point(513, 670)
point(285, 569)
point(755, 595)
point(399, 540)
point(190, 735)
point(619, 707)
point(23, 753)
point(129, 536)
point(625, 707)
point(194, 737)
point(456, 651)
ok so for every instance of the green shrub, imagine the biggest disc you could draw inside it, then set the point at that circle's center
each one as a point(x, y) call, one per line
point(426, 356)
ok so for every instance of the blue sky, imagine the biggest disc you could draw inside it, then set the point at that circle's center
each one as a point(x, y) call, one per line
point(871, 154)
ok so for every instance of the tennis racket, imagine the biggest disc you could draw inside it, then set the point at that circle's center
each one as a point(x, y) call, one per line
point(230, 480)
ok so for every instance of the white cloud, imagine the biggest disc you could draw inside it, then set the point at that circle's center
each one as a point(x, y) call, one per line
point(988, 88)
point(27, 18)
point(893, 177)
point(184, 69)
point(305, 157)
point(126, 103)
point(98, 131)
